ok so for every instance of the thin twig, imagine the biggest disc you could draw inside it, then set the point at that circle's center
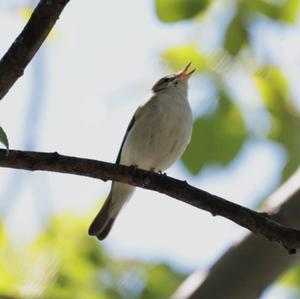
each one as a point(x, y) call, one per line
point(259, 223)
point(14, 62)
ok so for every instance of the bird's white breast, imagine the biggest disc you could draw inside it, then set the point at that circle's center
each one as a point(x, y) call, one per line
point(160, 134)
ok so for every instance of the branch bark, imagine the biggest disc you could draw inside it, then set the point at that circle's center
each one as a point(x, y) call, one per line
point(260, 224)
point(250, 266)
point(26, 45)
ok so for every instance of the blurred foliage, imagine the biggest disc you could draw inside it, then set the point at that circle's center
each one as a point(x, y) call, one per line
point(219, 135)
point(236, 35)
point(285, 118)
point(286, 11)
point(292, 278)
point(226, 131)
point(176, 10)
point(179, 56)
point(63, 262)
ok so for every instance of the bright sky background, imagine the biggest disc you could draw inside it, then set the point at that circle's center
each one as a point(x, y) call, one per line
point(98, 65)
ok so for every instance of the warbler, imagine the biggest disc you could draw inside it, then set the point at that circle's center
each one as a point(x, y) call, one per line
point(156, 137)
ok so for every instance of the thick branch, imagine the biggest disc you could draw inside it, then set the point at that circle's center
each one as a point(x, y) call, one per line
point(259, 223)
point(20, 53)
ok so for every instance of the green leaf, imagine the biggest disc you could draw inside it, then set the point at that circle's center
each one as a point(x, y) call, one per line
point(263, 7)
point(289, 12)
point(273, 86)
point(292, 276)
point(162, 281)
point(217, 138)
point(3, 138)
point(285, 118)
point(286, 11)
point(236, 36)
point(179, 57)
point(177, 10)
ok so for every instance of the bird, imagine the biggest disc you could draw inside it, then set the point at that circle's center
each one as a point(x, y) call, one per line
point(156, 137)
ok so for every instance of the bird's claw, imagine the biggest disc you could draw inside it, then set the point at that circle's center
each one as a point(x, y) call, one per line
point(162, 173)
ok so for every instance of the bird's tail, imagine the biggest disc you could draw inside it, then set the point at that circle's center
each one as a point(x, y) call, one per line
point(105, 219)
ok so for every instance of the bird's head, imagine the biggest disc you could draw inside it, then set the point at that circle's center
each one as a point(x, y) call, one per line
point(175, 81)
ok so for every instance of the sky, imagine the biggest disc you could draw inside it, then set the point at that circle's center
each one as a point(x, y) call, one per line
point(77, 97)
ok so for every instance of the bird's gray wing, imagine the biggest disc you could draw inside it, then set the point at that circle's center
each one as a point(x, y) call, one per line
point(126, 134)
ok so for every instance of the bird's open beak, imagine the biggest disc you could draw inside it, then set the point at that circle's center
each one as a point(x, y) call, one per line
point(185, 73)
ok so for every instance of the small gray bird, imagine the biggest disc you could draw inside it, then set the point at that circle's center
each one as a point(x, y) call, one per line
point(156, 137)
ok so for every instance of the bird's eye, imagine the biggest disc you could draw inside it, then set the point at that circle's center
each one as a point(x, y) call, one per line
point(166, 80)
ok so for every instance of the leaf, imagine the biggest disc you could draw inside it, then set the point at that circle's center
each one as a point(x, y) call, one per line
point(292, 276)
point(285, 118)
point(266, 8)
point(236, 36)
point(289, 11)
point(158, 276)
point(3, 138)
point(177, 10)
point(179, 57)
point(286, 11)
point(217, 138)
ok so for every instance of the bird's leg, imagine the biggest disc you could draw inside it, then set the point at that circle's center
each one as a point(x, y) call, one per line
point(162, 173)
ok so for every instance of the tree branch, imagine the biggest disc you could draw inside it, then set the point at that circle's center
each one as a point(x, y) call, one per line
point(259, 223)
point(26, 45)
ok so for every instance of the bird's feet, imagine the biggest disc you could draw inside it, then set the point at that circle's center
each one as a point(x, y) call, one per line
point(162, 173)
